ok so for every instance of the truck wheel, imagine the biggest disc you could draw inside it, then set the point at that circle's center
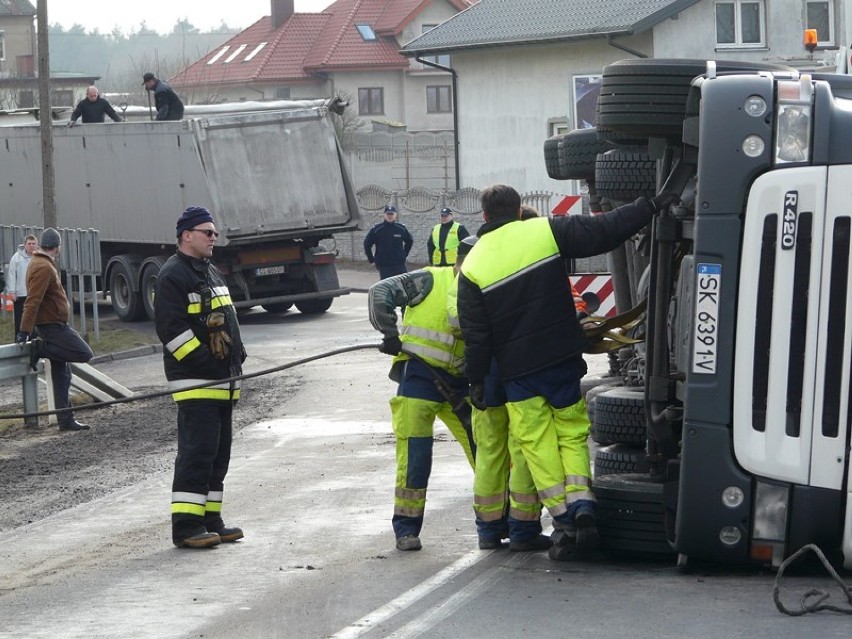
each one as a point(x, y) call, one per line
point(551, 157)
point(620, 417)
point(126, 302)
point(313, 307)
point(277, 307)
point(619, 459)
point(647, 97)
point(149, 285)
point(631, 516)
point(625, 175)
point(591, 395)
point(577, 152)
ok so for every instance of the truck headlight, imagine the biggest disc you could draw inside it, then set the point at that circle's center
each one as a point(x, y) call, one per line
point(770, 511)
point(793, 120)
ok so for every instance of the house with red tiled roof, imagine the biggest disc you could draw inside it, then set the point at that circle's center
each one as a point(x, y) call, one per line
point(351, 48)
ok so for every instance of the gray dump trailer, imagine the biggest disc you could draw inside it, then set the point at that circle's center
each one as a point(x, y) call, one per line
point(274, 179)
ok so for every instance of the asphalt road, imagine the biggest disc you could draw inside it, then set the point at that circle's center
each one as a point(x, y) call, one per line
point(312, 486)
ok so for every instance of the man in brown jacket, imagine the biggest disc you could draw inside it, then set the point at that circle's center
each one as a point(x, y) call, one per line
point(46, 311)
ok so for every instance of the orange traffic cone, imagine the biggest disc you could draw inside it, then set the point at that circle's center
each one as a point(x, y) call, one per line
point(8, 306)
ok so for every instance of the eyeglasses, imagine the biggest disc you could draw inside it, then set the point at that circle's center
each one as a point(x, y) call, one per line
point(207, 232)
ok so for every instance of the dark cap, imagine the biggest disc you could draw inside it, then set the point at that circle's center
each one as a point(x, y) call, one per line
point(192, 217)
point(390, 209)
point(148, 76)
point(50, 238)
point(466, 244)
point(446, 211)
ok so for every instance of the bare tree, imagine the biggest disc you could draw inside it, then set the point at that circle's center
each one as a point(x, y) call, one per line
point(346, 126)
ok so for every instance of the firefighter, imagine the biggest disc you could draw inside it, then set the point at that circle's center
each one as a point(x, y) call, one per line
point(515, 305)
point(443, 243)
point(428, 366)
point(197, 324)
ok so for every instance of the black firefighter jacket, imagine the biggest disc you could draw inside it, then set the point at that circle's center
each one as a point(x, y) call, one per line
point(188, 290)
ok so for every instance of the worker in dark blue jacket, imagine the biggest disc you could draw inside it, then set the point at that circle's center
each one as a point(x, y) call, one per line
point(392, 243)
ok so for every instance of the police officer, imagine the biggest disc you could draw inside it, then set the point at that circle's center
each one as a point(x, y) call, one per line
point(515, 305)
point(197, 324)
point(426, 351)
point(443, 243)
point(392, 243)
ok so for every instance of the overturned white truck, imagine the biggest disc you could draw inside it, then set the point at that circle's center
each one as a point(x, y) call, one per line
point(274, 178)
point(728, 438)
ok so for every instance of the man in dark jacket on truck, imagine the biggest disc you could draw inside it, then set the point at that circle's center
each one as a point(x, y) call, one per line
point(166, 101)
point(515, 304)
point(93, 108)
point(197, 324)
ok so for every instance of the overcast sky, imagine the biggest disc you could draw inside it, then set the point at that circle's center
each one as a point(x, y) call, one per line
point(161, 15)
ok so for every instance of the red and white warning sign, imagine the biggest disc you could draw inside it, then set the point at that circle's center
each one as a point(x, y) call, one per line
point(601, 285)
point(569, 205)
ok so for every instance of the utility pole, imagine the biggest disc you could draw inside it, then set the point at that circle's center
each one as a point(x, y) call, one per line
point(45, 116)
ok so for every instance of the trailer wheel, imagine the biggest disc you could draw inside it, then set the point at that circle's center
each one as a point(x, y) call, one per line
point(277, 307)
point(620, 417)
point(625, 175)
point(149, 285)
point(126, 302)
point(618, 459)
point(313, 307)
point(631, 516)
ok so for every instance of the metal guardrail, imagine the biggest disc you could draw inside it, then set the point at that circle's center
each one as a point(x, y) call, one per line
point(15, 362)
point(419, 199)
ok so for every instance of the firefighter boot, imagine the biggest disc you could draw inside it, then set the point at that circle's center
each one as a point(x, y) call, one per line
point(408, 542)
point(227, 534)
point(539, 542)
point(564, 539)
point(202, 539)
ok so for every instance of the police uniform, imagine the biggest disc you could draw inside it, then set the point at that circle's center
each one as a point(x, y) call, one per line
point(392, 243)
point(515, 305)
point(188, 291)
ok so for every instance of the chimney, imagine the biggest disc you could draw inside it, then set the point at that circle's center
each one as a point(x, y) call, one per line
point(281, 12)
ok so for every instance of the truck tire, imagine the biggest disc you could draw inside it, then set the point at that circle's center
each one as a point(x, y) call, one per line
point(591, 395)
point(578, 150)
point(619, 139)
point(314, 307)
point(623, 176)
point(148, 284)
point(647, 97)
point(277, 307)
point(620, 417)
point(631, 516)
point(551, 157)
point(618, 459)
point(126, 302)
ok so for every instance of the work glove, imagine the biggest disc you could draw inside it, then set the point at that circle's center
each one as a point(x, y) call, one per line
point(477, 396)
point(391, 345)
point(664, 200)
point(71, 123)
point(219, 340)
point(21, 337)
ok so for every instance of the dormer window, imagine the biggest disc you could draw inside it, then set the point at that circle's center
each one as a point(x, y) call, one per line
point(366, 32)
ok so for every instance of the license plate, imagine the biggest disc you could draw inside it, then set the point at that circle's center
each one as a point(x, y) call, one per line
point(263, 271)
point(705, 342)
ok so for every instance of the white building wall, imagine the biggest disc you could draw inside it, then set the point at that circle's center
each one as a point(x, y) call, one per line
point(507, 96)
point(692, 34)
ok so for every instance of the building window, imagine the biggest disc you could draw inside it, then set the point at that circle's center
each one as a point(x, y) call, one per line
point(444, 60)
point(557, 127)
point(821, 17)
point(2, 45)
point(366, 31)
point(740, 24)
point(439, 99)
point(26, 99)
point(62, 97)
point(371, 101)
point(282, 93)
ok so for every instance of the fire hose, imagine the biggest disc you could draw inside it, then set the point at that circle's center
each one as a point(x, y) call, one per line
point(235, 378)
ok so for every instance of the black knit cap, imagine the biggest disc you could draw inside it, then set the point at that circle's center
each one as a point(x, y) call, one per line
point(50, 238)
point(192, 217)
